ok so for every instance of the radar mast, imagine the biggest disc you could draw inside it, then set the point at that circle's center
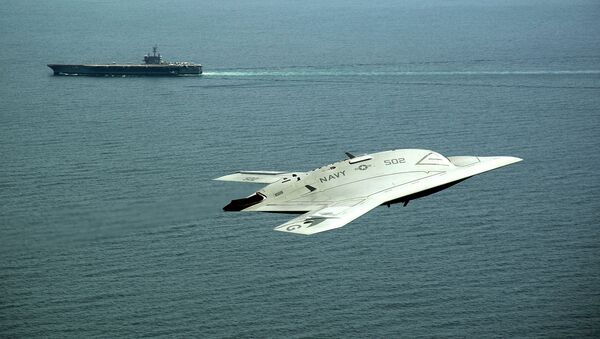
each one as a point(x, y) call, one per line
point(154, 59)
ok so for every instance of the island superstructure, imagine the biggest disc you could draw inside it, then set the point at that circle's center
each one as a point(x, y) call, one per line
point(153, 65)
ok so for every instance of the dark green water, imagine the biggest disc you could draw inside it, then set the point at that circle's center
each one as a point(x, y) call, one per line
point(110, 224)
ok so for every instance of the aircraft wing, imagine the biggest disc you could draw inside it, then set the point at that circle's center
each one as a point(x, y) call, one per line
point(261, 177)
point(331, 216)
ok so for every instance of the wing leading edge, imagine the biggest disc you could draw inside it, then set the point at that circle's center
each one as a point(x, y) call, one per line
point(260, 177)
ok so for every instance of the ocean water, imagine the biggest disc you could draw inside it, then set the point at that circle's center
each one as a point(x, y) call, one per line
point(110, 224)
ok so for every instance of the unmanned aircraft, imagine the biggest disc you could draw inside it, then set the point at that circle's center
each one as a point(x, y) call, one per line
point(331, 196)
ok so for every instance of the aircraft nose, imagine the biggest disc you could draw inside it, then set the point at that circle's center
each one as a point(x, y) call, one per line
point(511, 160)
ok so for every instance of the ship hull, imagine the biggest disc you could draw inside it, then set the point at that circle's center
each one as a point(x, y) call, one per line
point(127, 70)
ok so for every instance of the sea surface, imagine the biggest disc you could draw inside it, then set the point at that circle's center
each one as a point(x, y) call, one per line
point(111, 225)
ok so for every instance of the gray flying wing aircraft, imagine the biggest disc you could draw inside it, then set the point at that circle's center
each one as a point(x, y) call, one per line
point(331, 196)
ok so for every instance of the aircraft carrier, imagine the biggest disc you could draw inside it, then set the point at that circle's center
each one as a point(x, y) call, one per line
point(153, 66)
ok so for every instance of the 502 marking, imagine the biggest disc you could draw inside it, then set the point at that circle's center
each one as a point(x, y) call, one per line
point(395, 161)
